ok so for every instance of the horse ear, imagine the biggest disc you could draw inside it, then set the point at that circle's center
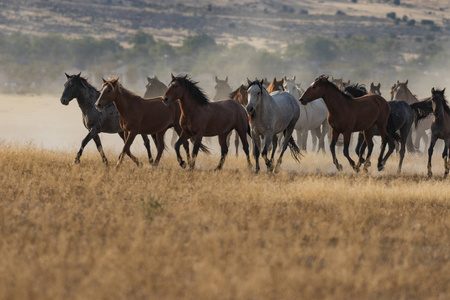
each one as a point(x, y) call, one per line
point(217, 80)
point(274, 79)
point(248, 81)
point(372, 85)
point(443, 91)
point(406, 83)
point(293, 79)
point(398, 82)
point(226, 79)
point(379, 85)
point(78, 75)
point(104, 81)
point(262, 82)
point(173, 77)
point(67, 76)
point(148, 79)
point(432, 90)
point(284, 78)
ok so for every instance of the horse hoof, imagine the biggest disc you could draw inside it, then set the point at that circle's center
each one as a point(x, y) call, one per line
point(183, 165)
point(150, 160)
point(339, 167)
point(356, 169)
point(77, 161)
point(217, 169)
point(106, 163)
point(140, 164)
point(430, 174)
point(380, 168)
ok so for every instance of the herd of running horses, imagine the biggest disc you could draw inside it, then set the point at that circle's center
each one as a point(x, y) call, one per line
point(267, 112)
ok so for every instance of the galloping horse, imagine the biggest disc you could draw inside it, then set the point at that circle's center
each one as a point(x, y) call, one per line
point(276, 86)
point(154, 88)
point(138, 116)
point(222, 89)
point(400, 119)
point(400, 91)
point(94, 121)
point(347, 114)
point(270, 115)
point(313, 117)
point(200, 117)
point(440, 127)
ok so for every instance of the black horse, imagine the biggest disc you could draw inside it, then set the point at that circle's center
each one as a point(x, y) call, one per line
point(94, 121)
point(401, 119)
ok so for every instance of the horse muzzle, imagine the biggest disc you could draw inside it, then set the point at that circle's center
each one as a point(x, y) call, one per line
point(64, 101)
point(303, 101)
point(250, 110)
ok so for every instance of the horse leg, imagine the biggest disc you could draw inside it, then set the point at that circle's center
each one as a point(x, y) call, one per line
point(197, 143)
point(304, 139)
point(93, 132)
point(98, 143)
point(430, 153)
point(404, 135)
point(174, 139)
point(183, 139)
point(384, 139)
point(268, 140)
point(130, 138)
point(359, 144)
point(256, 148)
point(346, 153)
point(368, 134)
point(392, 147)
point(223, 149)
point(446, 157)
point(242, 134)
point(159, 146)
point(236, 142)
point(409, 143)
point(334, 137)
point(147, 146)
point(275, 142)
point(317, 141)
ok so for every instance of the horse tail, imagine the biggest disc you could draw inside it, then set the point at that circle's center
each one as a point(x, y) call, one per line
point(202, 148)
point(390, 129)
point(295, 150)
point(421, 110)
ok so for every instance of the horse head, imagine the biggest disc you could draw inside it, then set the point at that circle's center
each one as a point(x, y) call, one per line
point(314, 91)
point(222, 89)
point(107, 93)
point(375, 89)
point(71, 88)
point(255, 94)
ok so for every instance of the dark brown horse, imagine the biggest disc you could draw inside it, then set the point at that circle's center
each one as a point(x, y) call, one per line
point(200, 117)
point(347, 114)
point(276, 86)
point(375, 89)
point(139, 115)
point(440, 128)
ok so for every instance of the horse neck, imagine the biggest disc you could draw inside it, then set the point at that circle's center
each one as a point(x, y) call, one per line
point(409, 97)
point(439, 111)
point(123, 99)
point(334, 101)
point(267, 106)
point(188, 105)
point(87, 96)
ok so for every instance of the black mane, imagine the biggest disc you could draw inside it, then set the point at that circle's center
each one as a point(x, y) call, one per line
point(192, 88)
point(329, 83)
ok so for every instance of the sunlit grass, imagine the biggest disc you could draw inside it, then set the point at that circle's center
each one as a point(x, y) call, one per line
point(92, 232)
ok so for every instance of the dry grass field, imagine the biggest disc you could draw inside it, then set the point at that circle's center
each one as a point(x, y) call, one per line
point(92, 232)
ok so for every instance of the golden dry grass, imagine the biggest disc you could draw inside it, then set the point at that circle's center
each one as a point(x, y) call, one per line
point(91, 232)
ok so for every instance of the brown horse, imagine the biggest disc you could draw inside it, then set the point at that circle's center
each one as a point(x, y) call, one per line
point(139, 115)
point(400, 91)
point(200, 117)
point(347, 114)
point(222, 89)
point(276, 86)
point(241, 96)
point(440, 128)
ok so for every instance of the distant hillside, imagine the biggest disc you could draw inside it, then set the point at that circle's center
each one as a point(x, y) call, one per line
point(269, 24)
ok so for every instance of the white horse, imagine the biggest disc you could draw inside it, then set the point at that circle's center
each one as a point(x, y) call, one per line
point(270, 115)
point(313, 116)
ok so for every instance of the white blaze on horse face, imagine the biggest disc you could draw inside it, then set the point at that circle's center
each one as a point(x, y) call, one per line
point(254, 96)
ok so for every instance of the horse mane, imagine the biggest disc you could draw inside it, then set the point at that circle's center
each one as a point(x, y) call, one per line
point(421, 110)
point(356, 90)
point(84, 81)
point(234, 93)
point(121, 89)
point(193, 88)
point(329, 83)
point(444, 102)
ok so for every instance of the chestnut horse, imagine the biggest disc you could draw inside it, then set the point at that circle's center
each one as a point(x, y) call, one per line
point(276, 86)
point(139, 115)
point(200, 117)
point(347, 114)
